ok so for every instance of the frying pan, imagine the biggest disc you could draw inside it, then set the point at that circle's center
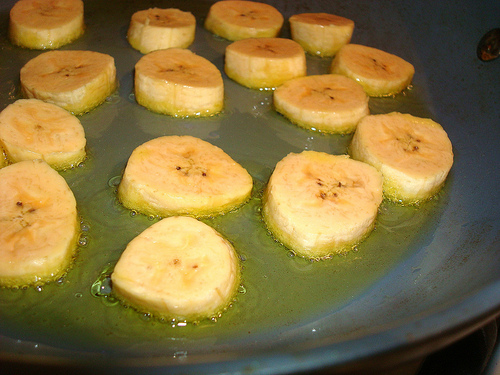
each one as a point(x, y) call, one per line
point(427, 276)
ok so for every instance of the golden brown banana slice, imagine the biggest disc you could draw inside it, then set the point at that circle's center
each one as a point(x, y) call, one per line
point(264, 63)
point(413, 154)
point(330, 103)
point(321, 34)
point(153, 29)
point(179, 268)
point(47, 24)
point(319, 204)
point(39, 226)
point(236, 20)
point(379, 72)
point(32, 129)
point(183, 175)
point(179, 83)
point(77, 81)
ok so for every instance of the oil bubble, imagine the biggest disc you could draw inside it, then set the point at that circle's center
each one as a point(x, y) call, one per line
point(112, 99)
point(114, 181)
point(84, 227)
point(180, 354)
point(146, 317)
point(214, 135)
point(109, 300)
point(83, 241)
point(101, 287)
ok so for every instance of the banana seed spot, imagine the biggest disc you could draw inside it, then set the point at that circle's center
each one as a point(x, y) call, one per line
point(325, 92)
point(47, 10)
point(268, 48)
point(176, 68)
point(251, 14)
point(69, 71)
point(19, 204)
point(379, 65)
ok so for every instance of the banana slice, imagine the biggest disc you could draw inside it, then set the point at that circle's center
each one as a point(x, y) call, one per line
point(153, 29)
point(183, 175)
point(47, 24)
point(321, 34)
point(178, 268)
point(236, 20)
point(413, 154)
point(264, 63)
point(39, 225)
point(32, 129)
point(379, 72)
point(330, 103)
point(77, 81)
point(319, 204)
point(179, 83)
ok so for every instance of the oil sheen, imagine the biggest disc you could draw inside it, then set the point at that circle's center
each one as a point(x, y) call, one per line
point(278, 291)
